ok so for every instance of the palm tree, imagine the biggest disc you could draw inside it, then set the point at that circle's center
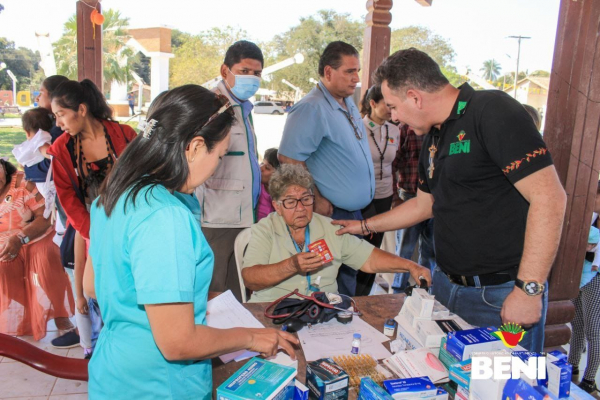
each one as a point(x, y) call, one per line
point(491, 70)
point(115, 36)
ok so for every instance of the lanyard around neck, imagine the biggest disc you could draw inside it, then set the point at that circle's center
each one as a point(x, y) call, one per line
point(381, 153)
point(309, 287)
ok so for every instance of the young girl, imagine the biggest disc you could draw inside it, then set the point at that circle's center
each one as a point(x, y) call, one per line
point(586, 324)
point(267, 167)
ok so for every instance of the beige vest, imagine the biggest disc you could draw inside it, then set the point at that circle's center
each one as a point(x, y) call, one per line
point(226, 197)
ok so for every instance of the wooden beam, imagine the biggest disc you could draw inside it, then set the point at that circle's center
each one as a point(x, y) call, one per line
point(376, 45)
point(89, 43)
point(572, 133)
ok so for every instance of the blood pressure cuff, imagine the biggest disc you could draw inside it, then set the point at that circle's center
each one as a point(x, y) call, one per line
point(310, 311)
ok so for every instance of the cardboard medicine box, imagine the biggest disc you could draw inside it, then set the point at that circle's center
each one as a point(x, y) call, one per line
point(259, 378)
point(462, 343)
point(409, 388)
point(326, 380)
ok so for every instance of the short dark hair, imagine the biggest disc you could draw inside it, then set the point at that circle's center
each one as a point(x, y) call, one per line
point(410, 69)
point(534, 114)
point(35, 119)
point(271, 157)
point(243, 49)
point(373, 93)
point(333, 53)
point(159, 159)
point(10, 170)
point(52, 82)
point(72, 94)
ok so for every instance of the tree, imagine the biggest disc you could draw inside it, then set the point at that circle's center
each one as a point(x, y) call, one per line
point(310, 37)
point(425, 40)
point(115, 36)
point(198, 58)
point(22, 62)
point(491, 70)
point(540, 73)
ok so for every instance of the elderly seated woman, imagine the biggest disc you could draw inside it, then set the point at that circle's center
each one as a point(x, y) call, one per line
point(277, 260)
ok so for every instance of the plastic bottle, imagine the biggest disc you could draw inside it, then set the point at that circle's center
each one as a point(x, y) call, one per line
point(356, 344)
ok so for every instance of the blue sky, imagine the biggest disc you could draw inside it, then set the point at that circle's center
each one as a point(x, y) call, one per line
point(477, 29)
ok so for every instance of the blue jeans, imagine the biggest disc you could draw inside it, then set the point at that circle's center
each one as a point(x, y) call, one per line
point(346, 279)
point(406, 240)
point(96, 319)
point(481, 306)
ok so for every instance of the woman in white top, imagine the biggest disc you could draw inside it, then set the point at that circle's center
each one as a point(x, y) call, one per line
point(383, 141)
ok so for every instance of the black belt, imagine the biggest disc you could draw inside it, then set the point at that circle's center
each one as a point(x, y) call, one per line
point(496, 278)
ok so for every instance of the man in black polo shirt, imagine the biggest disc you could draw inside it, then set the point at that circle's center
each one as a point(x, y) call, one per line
point(486, 176)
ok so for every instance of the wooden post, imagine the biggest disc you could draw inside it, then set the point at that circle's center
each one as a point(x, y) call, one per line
point(572, 127)
point(376, 45)
point(89, 46)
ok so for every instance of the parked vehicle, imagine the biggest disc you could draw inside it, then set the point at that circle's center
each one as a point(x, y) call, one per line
point(268, 107)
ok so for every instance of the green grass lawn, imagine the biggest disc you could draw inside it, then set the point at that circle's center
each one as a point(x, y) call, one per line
point(9, 137)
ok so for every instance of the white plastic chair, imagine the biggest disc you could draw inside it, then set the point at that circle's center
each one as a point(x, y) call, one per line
point(239, 248)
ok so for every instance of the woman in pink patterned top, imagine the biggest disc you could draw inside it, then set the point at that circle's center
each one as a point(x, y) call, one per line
point(267, 167)
point(34, 287)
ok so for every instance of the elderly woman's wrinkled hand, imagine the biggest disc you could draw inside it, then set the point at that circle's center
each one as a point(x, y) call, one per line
point(306, 262)
point(419, 272)
point(11, 249)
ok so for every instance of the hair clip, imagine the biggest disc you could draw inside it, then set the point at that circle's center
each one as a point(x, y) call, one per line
point(149, 129)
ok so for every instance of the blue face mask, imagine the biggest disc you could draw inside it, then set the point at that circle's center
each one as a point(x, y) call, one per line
point(245, 86)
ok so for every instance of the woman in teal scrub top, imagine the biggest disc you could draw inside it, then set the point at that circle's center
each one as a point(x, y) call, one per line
point(152, 264)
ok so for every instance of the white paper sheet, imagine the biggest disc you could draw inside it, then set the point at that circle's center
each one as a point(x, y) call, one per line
point(225, 312)
point(333, 338)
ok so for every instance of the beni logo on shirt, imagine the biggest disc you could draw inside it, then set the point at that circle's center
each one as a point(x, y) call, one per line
point(462, 146)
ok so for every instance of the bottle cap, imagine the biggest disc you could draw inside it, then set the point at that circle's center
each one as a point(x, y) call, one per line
point(357, 336)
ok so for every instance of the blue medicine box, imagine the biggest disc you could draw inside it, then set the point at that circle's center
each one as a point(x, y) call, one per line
point(409, 388)
point(259, 378)
point(461, 373)
point(462, 343)
point(369, 390)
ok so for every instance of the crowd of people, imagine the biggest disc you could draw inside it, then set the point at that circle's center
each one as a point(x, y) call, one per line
point(151, 218)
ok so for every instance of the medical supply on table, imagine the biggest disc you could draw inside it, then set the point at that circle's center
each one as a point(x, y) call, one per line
point(410, 388)
point(461, 373)
point(432, 332)
point(445, 357)
point(389, 327)
point(300, 391)
point(559, 374)
point(326, 380)
point(344, 317)
point(355, 343)
point(369, 390)
point(358, 366)
point(259, 378)
point(488, 389)
point(461, 394)
point(462, 343)
point(415, 363)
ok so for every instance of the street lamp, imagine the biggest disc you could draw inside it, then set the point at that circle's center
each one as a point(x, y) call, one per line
point(14, 80)
point(518, 57)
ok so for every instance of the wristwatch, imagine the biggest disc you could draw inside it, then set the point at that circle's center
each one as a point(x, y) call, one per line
point(23, 238)
point(531, 288)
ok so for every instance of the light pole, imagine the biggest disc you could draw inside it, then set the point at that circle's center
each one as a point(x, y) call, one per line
point(518, 57)
point(14, 79)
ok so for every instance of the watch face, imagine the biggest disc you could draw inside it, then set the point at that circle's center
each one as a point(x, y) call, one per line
point(532, 287)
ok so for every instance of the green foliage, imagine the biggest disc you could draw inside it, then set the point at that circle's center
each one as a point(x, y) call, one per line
point(491, 70)
point(310, 37)
point(425, 40)
point(115, 36)
point(22, 62)
point(198, 58)
point(453, 76)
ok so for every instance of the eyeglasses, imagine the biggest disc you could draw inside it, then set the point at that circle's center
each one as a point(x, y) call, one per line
point(225, 107)
point(357, 132)
point(306, 201)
